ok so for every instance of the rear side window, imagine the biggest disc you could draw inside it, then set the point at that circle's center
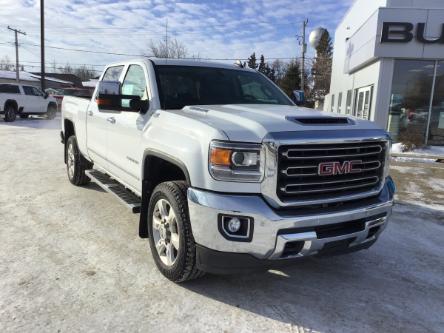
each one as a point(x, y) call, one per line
point(9, 89)
point(113, 73)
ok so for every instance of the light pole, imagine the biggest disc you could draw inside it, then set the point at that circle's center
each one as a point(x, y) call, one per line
point(42, 43)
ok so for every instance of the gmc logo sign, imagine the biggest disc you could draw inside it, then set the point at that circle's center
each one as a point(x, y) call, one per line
point(338, 168)
point(402, 32)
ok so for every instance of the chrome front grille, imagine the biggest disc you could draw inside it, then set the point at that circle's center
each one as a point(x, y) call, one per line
point(300, 177)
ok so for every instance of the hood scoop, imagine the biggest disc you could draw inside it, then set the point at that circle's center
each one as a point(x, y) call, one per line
point(321, 121)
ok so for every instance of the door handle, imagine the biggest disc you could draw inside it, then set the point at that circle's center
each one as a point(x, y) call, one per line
point(111, 120)
point(90, 113)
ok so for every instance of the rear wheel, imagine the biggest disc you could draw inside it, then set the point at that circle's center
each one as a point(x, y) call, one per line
point(171, 238)
point(10, 113)
point(76, 164)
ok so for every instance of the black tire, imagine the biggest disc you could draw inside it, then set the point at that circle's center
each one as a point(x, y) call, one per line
point(184, 267)
point(77, 162)
point(51, 112)
point(24, 116)
point(10, 113)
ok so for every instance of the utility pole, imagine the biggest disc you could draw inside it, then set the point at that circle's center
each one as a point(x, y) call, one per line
point(17, 69)
point(42, 43)
point(304, 50)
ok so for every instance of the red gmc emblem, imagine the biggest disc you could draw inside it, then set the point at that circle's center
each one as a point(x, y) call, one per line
point(338, 168)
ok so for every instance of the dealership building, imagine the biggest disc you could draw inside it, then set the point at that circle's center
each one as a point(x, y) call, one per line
point(388, 67)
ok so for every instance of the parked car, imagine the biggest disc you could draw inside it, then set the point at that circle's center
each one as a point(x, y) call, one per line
point(58, 94)
point(227, 178)
point(23, 100)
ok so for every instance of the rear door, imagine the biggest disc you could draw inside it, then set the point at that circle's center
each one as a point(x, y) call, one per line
point(98, 123)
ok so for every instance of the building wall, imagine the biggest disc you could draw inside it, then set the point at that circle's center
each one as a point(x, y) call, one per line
point(360, 59)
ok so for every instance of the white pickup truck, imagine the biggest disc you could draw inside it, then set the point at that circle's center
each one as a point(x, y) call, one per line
point(228, 175)
point(23, 100)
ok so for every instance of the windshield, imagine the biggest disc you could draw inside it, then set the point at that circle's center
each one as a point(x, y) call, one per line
point(180, 86)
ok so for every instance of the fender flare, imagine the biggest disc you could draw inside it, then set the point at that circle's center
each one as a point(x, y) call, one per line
point(147, 187)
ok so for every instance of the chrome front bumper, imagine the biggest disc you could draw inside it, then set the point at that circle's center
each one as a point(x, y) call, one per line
point(273, 229)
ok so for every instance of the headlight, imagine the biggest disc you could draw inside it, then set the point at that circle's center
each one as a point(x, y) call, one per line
point(237, 162)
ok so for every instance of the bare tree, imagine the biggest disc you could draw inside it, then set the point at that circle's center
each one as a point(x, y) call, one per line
point(6, 64)
point(172, 49)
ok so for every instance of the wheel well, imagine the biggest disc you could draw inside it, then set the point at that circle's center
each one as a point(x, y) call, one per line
point(69, 131)
point(158, 169)
point(161, 169)
point(11, 102)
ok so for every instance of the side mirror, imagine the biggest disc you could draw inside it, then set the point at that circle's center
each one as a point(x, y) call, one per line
point(110, 98)
point(298, 97)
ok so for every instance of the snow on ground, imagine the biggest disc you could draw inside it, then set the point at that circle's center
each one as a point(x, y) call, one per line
point(71, 260)
point(429, 150)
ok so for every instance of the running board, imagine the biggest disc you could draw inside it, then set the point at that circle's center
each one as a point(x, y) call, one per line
point(112, 186)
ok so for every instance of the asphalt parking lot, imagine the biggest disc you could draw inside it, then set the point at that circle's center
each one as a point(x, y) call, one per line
point(71, 260)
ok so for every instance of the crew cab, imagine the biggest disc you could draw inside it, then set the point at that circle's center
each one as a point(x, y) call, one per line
point(227, 174)
point(24, 100)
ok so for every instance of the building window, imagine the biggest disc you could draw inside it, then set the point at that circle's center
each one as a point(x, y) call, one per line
point(340, 103)
point(363, 102)
point(332, 103)
point(436, 129)
point(410, 101)
point(349, 102)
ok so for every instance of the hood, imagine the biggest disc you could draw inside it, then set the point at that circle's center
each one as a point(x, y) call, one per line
point(252, 123)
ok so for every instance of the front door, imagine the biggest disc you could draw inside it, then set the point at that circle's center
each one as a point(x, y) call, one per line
point(34, 102)
point(99, 122)
point(363, 102)
point(125, 135)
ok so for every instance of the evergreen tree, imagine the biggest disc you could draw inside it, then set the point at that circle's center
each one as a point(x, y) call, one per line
point(291, 80)
point(321, 68)
point(252, 62)
point(262, 65)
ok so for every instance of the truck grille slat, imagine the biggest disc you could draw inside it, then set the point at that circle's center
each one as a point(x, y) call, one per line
point(290, 171)
point(334, 182)
point(299, 177)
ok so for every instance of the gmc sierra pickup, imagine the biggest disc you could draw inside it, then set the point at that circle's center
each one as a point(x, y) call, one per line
point(228, 175)
point(23, 100)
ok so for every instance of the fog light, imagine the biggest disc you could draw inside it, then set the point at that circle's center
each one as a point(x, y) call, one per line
point(234, 224)
point(236, 228)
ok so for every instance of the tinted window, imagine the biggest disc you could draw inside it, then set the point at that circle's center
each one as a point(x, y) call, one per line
point(37, 91)
point(9, 89)
point(28, 90)
point(113, 73)
point(180, 86)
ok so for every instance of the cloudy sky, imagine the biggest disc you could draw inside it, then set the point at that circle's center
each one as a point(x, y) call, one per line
point(209, 28)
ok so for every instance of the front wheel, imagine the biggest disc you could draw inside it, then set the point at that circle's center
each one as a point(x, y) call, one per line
point(76, 164)
point(171, 238)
